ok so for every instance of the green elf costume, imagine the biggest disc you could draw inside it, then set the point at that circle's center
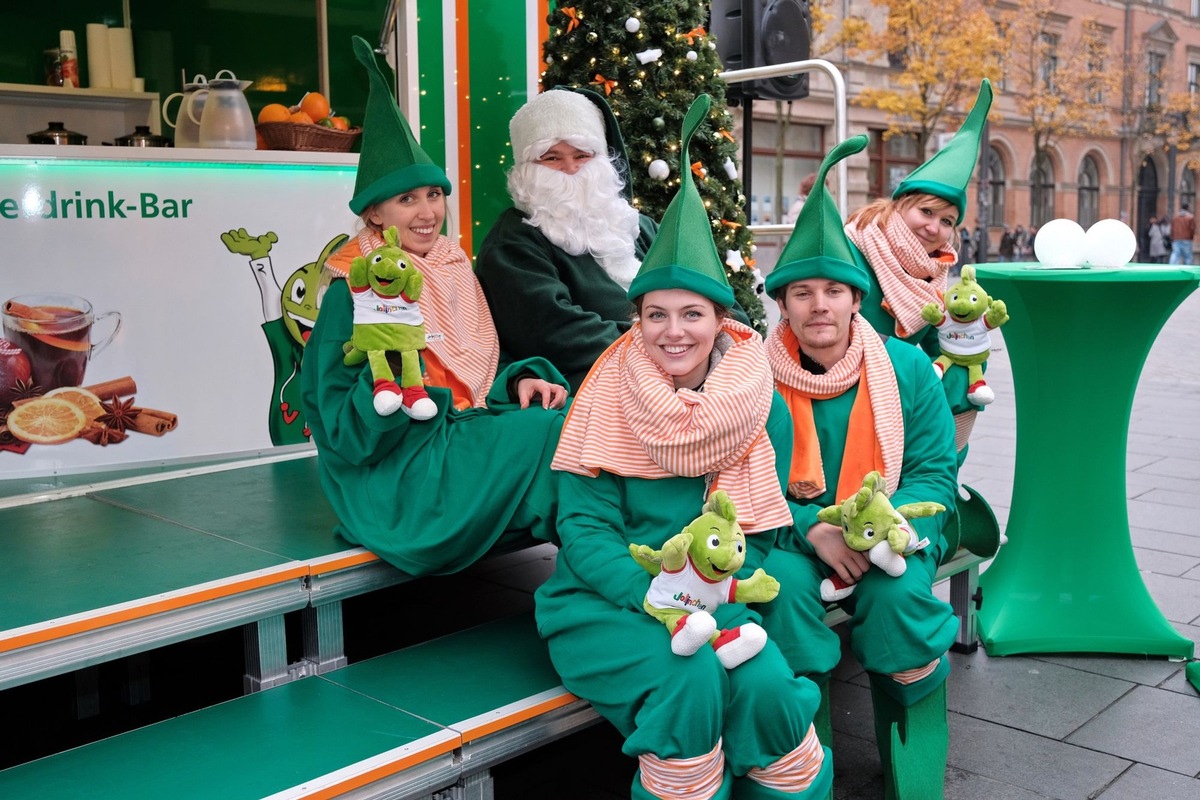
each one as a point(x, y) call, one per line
point(629, 474)
point(879, 408)
point(581, 308)
point(432, 496)
point(902, 277)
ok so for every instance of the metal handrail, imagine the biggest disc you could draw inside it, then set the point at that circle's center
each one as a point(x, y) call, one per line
point(840, 124)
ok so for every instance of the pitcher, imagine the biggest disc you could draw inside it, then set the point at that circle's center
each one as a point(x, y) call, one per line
point(226, 121)
point(187, 132)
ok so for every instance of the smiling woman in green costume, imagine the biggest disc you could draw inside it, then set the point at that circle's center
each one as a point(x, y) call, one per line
point(678, 406)
point(906, 245)
point(429, 496)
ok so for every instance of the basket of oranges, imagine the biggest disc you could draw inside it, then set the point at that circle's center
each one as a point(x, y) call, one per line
point(311, 125)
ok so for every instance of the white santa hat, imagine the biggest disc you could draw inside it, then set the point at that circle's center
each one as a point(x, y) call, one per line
point(554, 116)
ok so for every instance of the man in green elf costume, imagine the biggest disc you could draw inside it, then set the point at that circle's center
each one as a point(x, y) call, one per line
point(861, 402)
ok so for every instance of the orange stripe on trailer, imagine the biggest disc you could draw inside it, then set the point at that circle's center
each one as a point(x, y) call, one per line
point(509, 720)
point(381, 772)
point(151, 608)
point(543, 30)
point(462, 63)
point(343, 562)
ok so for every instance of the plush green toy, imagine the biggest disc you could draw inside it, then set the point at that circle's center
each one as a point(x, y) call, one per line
point(963, 328)
point(693, 574)
point(385, 285)
point(871, 525)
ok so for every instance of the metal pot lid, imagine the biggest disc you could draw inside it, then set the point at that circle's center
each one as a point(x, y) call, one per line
point(142, 137)
point(56, 133)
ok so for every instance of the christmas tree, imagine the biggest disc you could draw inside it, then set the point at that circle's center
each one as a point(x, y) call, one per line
point(650, 61)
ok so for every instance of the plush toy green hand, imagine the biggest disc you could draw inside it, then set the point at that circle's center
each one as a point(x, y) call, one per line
point(932, 313)
point(758, 588)
point(997, 314)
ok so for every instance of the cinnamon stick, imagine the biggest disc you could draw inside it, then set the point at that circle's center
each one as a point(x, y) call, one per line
point(118, 387)
point(152, 422)
point(22, 311)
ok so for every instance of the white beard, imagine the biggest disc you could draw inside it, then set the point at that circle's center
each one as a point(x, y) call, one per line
point(581, 213)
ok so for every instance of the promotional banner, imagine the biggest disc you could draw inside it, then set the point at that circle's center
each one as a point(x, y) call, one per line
point(158, 311)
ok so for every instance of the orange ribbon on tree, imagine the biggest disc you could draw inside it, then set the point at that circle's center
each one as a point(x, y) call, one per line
point(608, 85)
point(574, 23)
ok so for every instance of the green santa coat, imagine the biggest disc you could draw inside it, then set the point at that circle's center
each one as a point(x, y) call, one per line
point(896, 623)
point(609, 650)
point(429, 497)
point(548, 303)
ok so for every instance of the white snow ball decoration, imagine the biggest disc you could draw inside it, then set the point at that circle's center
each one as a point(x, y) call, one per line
point(649, 56)
point(1060, 243)
point(730, 169)
point(633, 24)
point(1110, 243)
point(659, 169)
point(692, 55)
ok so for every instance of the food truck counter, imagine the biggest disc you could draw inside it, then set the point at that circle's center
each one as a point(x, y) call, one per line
point(157, 300)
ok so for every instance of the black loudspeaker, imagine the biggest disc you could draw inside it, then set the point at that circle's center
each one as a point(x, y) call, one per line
point(762, 33)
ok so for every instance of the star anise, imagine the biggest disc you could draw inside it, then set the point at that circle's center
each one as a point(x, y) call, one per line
point(24, 390)
point(119, 414)
point(104, 436)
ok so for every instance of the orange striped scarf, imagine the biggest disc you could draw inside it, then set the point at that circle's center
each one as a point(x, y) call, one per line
point(908, 276)
point(459, 330)
point(875, 437)
point(629, 420)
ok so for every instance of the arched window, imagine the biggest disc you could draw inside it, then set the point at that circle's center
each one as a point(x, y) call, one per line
point(1041, 191)
point(995, 188)
point(1089, 192)
point(1187, 188)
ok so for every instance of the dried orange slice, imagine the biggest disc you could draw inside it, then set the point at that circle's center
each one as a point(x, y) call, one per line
point(81, 398)
point(46, 420)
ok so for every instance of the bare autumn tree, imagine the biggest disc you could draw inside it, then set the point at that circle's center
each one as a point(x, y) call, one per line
point(1058, 75)
point(940, 52)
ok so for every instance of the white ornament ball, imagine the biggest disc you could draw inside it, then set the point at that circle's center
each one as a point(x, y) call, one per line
point(659, 170)
point(1060, 243)
point(692, 55)
point(633, 24)
point(1110, 243)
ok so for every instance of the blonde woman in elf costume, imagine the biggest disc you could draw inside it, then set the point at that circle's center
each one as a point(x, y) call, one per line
point(861, 401)
point(680, 405)
point(906, 244)
point(431, 496)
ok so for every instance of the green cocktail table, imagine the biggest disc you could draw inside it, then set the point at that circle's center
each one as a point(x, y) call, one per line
point(1067, 581)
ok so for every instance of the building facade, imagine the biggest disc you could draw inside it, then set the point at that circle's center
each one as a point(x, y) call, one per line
point(1146, 167)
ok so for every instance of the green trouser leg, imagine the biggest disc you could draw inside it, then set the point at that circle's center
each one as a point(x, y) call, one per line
point(912, 738)
point(819, 789)
point(823, 723)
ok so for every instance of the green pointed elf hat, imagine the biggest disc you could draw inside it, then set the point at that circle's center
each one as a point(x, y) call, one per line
point(683, 255)
point(819, 247)
point(948, 172)
point(391, 161)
